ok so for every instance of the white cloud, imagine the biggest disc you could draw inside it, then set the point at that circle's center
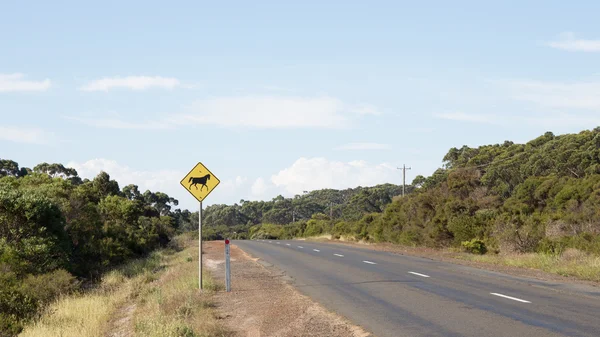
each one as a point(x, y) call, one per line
point(466, 117)
point(316, 173)
point(568, 41)
point(131, 82)
point(366, 109)
point(159, 180)
point(16, 82)
point(230, 190)
point(575, 95)
point(266, 112)
point(165, 180)
point(364, 146)
point(259, 188)
point(26, 135)
point(111, 123)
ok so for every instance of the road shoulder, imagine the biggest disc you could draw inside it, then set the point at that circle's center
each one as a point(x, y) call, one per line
point(263, 303)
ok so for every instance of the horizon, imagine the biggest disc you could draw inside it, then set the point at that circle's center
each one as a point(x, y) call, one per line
point(280, 98)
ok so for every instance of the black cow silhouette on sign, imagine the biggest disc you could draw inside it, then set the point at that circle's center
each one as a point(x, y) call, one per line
point(199, 180)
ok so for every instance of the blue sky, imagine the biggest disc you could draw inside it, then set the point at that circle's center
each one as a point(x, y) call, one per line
point(277, 98)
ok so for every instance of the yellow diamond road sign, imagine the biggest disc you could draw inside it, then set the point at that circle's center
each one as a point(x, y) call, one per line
point(200, 182)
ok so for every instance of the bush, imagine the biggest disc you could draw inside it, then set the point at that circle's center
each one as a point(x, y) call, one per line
point(316, 227)
point(15, 307)
point(475, 246)
point(46, 287)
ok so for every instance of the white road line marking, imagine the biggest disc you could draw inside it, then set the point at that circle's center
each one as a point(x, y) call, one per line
point(278, 243)
point(339, 255)
point(300, 247)
point(270, 241)
point(316, 250)
point(422, 275)
point(287, 244)
point(369, 262)
point(510, 298)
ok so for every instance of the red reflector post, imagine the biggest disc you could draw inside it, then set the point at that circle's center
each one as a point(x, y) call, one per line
point(226, 241)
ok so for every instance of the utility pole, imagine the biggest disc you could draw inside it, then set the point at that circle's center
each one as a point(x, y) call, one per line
point(331, 210)
point(403, 168)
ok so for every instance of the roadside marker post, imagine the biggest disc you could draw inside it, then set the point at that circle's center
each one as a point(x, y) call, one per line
point(227, 267)
point(200, 182)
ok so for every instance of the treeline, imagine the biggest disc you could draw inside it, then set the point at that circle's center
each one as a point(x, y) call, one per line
point(542, 196)
point(236, 221)
point(58, 231)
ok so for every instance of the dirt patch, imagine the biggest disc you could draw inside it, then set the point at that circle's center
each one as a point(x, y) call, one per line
point(122, 323)
point(454, 257)
point(261, 303)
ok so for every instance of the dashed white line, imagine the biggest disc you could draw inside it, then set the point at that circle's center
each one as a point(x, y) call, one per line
point(422, 275)
point(270, 241)
point(300, 247)
point(316, 250)
point(369, 262)
point(340, 255)
point(510, 298)
point(278, 243)
point(287, 244)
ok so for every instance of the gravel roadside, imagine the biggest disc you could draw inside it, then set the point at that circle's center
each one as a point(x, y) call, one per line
point(262, 303)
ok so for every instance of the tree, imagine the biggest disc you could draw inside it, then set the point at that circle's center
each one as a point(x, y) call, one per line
point(11, 168)
point(55, 170)
point(104, 186)
point(132, 192)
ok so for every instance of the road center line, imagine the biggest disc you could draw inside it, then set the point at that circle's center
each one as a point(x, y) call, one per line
point(369, 262)
point(510, 298)
point(278, 243)
point(340, 255)
point(300, 247)
point(316, 250)
point(270, 241)
point(287, 244)
point(422, 275)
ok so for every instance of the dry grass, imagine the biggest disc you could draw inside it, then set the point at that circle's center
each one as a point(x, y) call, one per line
point(173, 306)
point(325, 237)
point(75, 316)
point(86, 314)
point(572, 263)
point(163, 290)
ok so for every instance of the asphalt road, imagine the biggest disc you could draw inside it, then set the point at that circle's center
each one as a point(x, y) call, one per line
point(395, 295)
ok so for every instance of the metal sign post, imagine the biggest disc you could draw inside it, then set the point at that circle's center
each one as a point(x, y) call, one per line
point(227, 267)
point(200, 246)
point(200, 182)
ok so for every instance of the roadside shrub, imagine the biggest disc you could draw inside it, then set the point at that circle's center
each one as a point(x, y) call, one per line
point(342, 228)
point(475, 246)
point(15, 307)
point(551, 247)
point(9, 325)
point(315, 227)
point(46, 287)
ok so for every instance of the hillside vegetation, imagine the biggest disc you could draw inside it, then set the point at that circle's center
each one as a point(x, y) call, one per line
point(59, 233)
point(542, 196)
point(290, 216)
